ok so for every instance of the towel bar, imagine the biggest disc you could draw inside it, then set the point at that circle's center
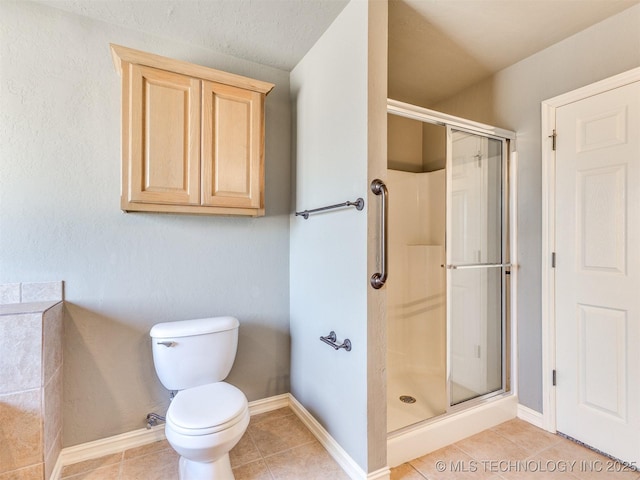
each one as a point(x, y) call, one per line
point(359, 204)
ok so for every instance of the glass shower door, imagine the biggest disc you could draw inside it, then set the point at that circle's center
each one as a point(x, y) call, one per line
point(476, 264)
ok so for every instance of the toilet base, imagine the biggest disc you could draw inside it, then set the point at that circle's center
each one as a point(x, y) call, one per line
point(218, 470)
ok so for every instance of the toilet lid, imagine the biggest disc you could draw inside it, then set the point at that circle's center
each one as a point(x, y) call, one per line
point(212, 407)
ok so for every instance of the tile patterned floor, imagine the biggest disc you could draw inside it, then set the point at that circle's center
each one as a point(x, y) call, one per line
point(513, 450)
point(278, 446)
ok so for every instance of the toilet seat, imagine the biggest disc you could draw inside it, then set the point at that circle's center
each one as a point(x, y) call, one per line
point(207, 409)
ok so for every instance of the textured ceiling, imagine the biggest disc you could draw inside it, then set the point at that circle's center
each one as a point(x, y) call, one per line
point(436, 47)
point(271, 32)
point(439, 47)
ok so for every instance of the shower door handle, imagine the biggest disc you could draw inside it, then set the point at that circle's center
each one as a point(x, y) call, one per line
point(477, 265)
point(379, 188)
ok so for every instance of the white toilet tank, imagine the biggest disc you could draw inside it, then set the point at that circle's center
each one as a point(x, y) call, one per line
point(194, 352)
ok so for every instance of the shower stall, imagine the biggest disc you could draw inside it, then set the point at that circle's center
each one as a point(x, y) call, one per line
point(449, 266)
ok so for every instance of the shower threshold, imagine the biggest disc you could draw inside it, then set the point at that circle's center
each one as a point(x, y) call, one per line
point(463, 421)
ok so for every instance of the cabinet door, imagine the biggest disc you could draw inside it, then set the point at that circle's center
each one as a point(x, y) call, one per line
point(232, 139)
point(164, 148)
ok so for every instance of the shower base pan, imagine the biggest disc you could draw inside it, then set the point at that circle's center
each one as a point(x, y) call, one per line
point(418, 440)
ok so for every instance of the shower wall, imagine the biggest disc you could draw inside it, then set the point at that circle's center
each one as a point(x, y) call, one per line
point(416, 354)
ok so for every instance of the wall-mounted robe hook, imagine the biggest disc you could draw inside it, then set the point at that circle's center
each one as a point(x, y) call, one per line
point(331, 340)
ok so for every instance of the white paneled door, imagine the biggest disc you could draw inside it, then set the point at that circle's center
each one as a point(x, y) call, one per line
point(598, 271)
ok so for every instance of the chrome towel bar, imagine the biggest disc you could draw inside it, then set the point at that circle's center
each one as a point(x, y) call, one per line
point(359, 204)
point(477, 265)
point(331, 340)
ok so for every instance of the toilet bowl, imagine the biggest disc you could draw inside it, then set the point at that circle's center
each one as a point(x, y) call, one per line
point(207, 417)
point(202, 435)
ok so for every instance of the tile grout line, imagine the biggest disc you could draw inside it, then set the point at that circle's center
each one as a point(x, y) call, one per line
point(261, 455)
point(248, 432)
point(418, 471)
point(289, 449)
point(85, 471)
point(548, 447)
point(280, 451)
point(121, 467)
point(538, 452)
point(464, 451)
point(480, 461)
point(265, 458)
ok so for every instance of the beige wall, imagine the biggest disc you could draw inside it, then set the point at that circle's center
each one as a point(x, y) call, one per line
point(511, 99)
point(404, 145)
point(415, 146)
point(60, 218)
point(434, 147)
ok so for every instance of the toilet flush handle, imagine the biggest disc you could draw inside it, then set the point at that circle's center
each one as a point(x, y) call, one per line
point(167, 343)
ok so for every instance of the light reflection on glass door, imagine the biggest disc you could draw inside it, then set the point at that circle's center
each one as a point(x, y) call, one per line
point(476, 264)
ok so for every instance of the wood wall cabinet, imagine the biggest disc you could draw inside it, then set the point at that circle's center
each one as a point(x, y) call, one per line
point(192, 137)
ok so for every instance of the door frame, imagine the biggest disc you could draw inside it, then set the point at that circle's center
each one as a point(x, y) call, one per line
point(548, 115)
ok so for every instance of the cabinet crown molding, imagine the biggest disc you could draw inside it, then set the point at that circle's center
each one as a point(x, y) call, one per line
point(124, 54)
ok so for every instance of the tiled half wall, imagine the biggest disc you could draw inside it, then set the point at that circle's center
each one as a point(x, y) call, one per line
point(31, 329)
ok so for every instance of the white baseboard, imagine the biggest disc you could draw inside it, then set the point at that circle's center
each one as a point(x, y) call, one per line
point(338, 453)
point(269, 404)
point(529, 415)
point(382, 474)
point(110, 445)
point(143, 436)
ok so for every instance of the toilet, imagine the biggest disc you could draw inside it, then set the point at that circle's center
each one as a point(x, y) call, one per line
point(207, 417)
